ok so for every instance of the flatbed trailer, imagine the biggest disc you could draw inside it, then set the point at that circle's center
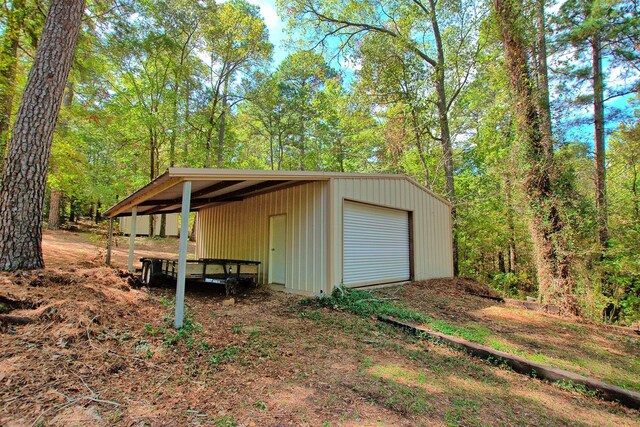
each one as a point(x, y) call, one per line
point(227, 272)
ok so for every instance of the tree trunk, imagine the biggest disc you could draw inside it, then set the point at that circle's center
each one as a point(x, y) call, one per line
point(544, 105)
point(187, 112)
point(511, 223)
point(8, 67)
point(152, 169)
point(72, 210)
point(163, 226)
point(192, 236)
point(223, 122)
point(552, 264)
point(271, 151)
point(418, 137)
point(634, 190)
point(97, 217)
point(174, 128)
point(599, 143)
point(445, 133)
point(302, 145)
point(53, 221)
point(25, 175)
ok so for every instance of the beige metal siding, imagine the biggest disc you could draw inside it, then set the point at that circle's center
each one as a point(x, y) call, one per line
point(432, 238)
point(241, 230)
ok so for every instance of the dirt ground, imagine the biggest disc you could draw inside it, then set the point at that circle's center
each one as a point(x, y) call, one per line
point(608, 353)
point(66, 248)
point(97, 352)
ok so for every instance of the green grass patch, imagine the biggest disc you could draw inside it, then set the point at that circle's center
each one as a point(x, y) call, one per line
point(226, 421)
point(394, 396)
point(364, 303)
point(534, 357)
point(473, 333)
point(367, 304)
point(397, 372)
point(464, 412)
point(576, 388)
point(169, 335)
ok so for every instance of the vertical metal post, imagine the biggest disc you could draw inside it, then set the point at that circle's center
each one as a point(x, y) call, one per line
point(182, 256)
point(331, 280)
point(132, 237)
point(109, 242)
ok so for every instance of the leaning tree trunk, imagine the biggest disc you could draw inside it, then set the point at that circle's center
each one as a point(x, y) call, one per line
point(25, 175)
point(53, 221)
point(554, 281)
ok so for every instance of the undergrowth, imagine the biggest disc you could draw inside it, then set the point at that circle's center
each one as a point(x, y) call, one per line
point(366, 304)
point(571, 386)
point(189, 338)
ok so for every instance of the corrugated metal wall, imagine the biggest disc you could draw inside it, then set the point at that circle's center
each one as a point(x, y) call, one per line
point(432, 242)
point(241, 230)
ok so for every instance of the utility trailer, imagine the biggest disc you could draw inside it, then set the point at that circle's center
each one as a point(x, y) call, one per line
point(227, 272)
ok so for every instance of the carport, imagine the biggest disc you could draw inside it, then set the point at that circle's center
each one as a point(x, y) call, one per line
point(186, 190)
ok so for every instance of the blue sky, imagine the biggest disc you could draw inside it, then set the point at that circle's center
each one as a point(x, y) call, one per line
point(276, 27)
point(277, 37)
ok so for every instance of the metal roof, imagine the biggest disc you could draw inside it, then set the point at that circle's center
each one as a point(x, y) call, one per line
point(210, 187)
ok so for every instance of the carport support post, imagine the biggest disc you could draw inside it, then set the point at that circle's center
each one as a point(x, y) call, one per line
point(132, 237)
point(109, 242)
point(182, 256)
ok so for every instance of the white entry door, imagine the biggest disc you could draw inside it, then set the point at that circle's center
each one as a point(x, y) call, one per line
point(376, 245)
point(277, 248)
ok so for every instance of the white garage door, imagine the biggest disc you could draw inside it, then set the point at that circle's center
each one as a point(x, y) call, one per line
point(376, 244)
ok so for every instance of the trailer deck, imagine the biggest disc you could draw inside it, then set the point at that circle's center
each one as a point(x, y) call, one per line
point(227, 272)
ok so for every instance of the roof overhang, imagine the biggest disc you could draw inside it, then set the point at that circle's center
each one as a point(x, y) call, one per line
point(211, 187)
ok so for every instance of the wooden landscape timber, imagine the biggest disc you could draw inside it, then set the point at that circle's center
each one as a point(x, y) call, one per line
point(521, 365)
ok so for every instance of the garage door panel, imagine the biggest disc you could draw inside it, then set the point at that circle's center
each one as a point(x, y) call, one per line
point(376, 244)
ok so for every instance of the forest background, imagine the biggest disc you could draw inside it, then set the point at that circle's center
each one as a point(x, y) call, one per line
point(421, 88)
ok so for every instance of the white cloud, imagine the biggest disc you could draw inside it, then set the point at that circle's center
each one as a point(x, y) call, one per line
point(270, 15)
point(352, 64)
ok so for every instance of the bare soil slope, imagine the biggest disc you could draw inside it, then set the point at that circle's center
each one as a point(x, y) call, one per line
point(98, 352)
point(609, 353)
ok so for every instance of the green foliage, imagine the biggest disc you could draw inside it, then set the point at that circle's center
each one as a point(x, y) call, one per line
point(569, 385)
point(366, 304)
point(620, 287)
point(225, 421)
point(170, 336)
point(513, 285)
point(260, 405)
point(224, 355)
point(191, 84)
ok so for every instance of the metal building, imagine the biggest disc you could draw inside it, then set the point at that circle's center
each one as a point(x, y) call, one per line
point(311, 231)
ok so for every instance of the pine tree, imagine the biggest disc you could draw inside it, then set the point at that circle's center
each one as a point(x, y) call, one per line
point(25, 176)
